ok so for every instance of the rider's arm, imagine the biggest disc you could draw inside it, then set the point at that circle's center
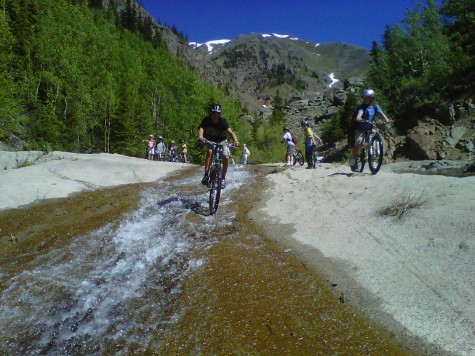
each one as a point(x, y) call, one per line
point(317, 138)
point(359, 116)
point(384, 116)
point(200, 134)
point(233, 135)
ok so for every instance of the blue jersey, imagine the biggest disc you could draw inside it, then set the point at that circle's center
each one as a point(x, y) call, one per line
point(369, 114)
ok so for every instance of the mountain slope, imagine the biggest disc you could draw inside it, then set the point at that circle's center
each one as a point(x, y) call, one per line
point(255, 66)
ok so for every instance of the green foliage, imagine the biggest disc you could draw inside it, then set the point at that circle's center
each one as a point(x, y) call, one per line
point(265, 145)
point(278, 114)
point(429, 60)
point(239, 55)
point(460, 27)
point(72, 79)
point(341, 124)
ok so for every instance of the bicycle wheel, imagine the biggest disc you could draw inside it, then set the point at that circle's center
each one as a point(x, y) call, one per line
point(214, 184)
point(300, 158)
point(375, 154)
point(361, 160)
point(314, 158)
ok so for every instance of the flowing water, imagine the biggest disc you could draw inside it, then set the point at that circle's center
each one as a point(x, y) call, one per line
point(117, 284)
point(169, 278)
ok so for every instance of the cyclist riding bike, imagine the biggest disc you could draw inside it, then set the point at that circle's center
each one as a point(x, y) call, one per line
point(311, 141)
point(365, 117)
point(215, 128)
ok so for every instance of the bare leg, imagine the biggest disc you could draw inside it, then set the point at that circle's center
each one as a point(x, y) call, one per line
point(209, 154)
point(225, 166)
point(356, 148)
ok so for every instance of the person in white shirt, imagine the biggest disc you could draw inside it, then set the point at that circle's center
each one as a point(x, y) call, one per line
point(245, 154)
point(287, 138)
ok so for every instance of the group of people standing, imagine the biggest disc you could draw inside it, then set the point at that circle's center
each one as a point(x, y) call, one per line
point(158, 150)
point(311, 141)
point(214, 128)
point(364, 119)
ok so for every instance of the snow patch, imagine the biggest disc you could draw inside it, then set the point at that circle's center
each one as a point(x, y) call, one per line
point(209, 44)
point(334, 80)
point(275, 35)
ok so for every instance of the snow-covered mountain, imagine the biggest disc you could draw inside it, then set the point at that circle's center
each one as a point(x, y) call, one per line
point(255, 66)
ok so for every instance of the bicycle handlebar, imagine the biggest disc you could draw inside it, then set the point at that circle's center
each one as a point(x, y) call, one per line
point(230, 145)
point(384, 125)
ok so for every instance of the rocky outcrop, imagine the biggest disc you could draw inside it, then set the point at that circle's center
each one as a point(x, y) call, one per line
point(430, 167)
point(432, 140)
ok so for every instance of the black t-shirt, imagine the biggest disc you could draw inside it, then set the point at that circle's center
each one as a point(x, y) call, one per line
point(215, 132)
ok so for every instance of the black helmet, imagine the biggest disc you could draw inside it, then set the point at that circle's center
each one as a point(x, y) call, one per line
point(304, 122)
point(215, 108)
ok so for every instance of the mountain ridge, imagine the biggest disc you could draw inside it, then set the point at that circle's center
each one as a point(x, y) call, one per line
point(254, 66)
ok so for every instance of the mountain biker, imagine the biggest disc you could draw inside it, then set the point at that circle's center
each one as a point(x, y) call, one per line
point(311, 141)
point(365, 115)
point(290, 146)
point(160, 149)
point(215, 128)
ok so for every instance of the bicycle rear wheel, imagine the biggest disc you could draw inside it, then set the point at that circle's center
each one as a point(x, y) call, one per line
point(375, 154)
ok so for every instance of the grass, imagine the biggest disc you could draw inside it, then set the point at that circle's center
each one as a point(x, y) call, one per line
point(403, 203)
point(24, 163)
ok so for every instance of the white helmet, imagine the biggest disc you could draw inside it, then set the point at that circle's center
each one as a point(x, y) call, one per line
point(369, 92)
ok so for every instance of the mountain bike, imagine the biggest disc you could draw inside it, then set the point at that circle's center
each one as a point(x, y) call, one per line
point(215, 176)
point(298, 157)
point(172, 156)
point(372, 150)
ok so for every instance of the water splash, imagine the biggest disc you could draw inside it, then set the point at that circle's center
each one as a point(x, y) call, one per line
point(116, 285)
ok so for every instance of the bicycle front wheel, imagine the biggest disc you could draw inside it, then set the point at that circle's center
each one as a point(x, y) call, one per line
point(375, 154)
point(215, 181)
point(299, 158)
point(314, 159)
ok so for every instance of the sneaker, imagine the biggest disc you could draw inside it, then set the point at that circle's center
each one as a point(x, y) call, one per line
point(205, 179)
point(353, 165)
point(223, 183)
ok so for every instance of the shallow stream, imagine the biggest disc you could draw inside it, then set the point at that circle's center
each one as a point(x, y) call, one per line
point(162, 276)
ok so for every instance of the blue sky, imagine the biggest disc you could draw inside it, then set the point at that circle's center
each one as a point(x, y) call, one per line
point(358, 22)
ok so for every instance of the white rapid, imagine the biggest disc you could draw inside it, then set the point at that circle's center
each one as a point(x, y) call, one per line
point(116, 285)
